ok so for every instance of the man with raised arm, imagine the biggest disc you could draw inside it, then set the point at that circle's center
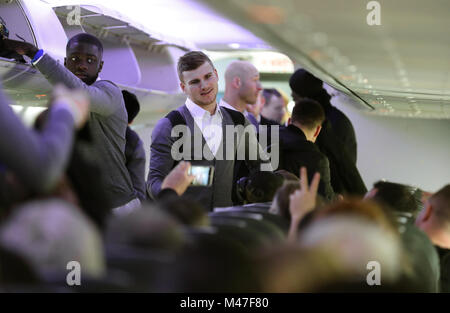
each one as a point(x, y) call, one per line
point(108, 117)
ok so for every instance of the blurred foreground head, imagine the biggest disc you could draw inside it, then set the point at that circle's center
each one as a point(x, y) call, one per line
point(50, 234)
point(334, 255)
point(434, 219)
point(403, 200)
point(146, 227)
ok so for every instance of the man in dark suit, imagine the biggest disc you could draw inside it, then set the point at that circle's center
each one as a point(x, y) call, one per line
point(298, 148)
point(206, 139)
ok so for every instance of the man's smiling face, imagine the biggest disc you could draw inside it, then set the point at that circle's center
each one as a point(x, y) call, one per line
point(201, 84)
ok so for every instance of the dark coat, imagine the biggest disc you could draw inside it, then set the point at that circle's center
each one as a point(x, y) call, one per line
point(345, 177)
point(135, 162)
point(296, 151)
point(266, 121)
point(337, 141)
point(340, 124)
point(344, 130)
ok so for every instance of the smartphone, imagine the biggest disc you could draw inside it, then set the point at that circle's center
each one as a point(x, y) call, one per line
point(203, 175)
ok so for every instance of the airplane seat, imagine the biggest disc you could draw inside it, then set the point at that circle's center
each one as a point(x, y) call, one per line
point(238, 231)
point(137, 268)
point(276, 220)
point(218, 259)
point(113, 281)
point(266, 232)
point(211, 236)
point(37, 288)
point(258, 206)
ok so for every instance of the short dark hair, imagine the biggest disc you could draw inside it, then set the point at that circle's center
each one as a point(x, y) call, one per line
point(262, 186)
point(131, 104)
point(268, 93)
point(192, 61)
point(85, 38)
point(308, 113)
point(399, 197)
point(288, 176)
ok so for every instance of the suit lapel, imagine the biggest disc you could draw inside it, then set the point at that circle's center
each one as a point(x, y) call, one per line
point(227, 120)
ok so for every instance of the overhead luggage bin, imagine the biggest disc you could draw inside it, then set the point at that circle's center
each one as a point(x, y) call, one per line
point(136, 59)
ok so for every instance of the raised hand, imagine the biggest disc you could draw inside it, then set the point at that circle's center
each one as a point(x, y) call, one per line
point(20, 47)
point(179, 178)
point(303, 201)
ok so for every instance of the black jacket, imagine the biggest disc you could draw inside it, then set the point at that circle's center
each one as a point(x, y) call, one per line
point(345, 177)
point(135, 162)
point(338, 142)
point(266, 121)
point(340, 124)
point(343, 129)
point(296, 151)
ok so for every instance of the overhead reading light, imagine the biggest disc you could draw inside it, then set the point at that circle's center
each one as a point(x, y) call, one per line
point(234, 45)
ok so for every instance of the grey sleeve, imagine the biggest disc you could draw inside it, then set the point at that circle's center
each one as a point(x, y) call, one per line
point(161, 161)
point(136, 168)
point(37, 159)
point(106, 97)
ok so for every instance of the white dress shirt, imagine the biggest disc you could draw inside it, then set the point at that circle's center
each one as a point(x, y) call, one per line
point(210, 125)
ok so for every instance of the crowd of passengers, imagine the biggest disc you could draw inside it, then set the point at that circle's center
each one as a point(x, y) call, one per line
point(289, 214)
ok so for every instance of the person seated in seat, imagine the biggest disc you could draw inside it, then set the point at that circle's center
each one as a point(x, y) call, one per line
point(185, 210)
point(259, 187)
point(434, 220)
point(281, 200)
point(50, 233)
point(332, 255)
point(288, 176)
point(403, 200)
